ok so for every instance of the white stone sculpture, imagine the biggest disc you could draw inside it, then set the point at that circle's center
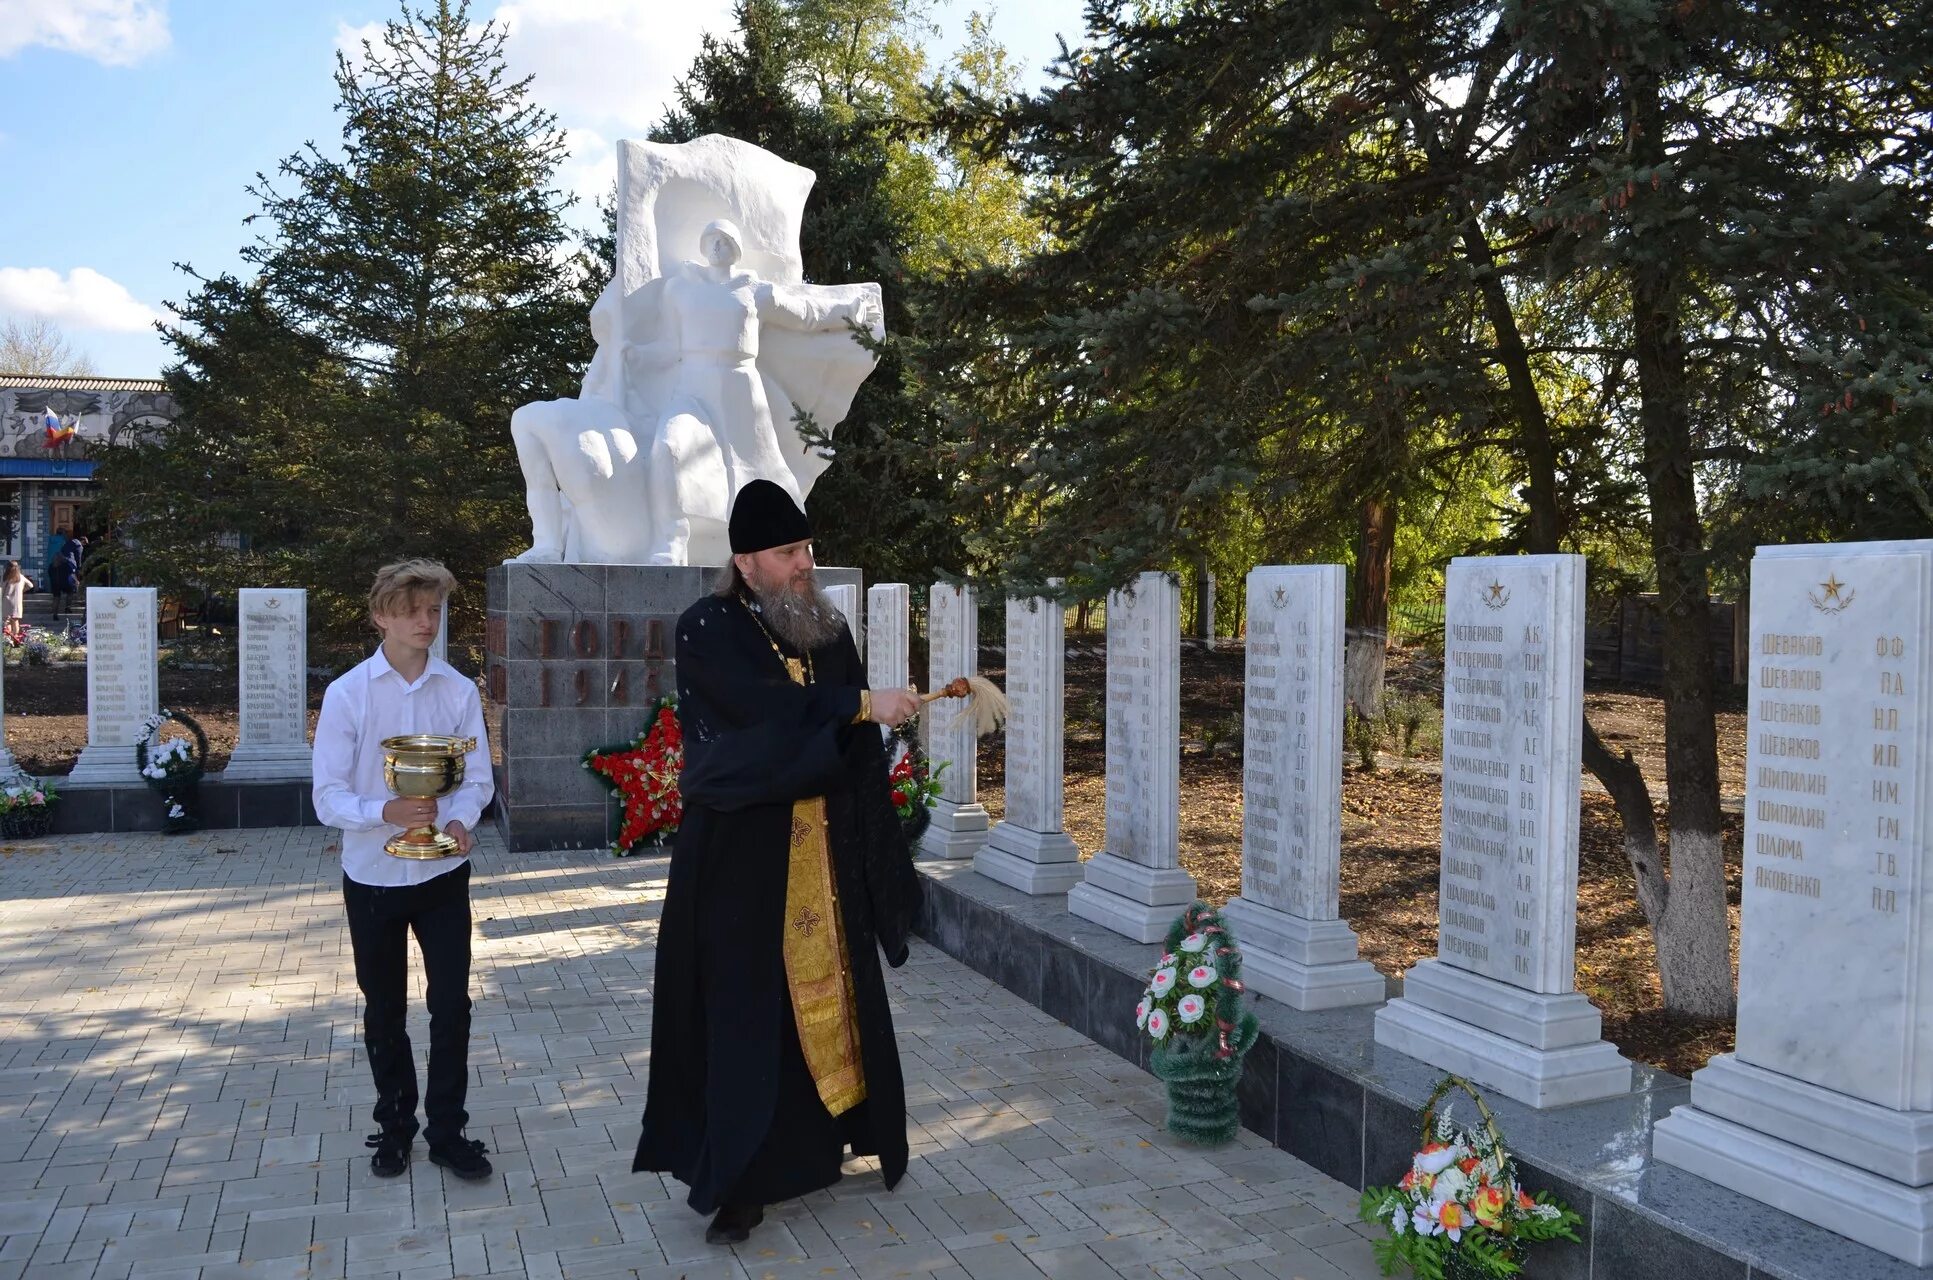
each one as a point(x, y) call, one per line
point(702, 367)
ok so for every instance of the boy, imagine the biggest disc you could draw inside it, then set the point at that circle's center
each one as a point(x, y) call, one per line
point(401, 689)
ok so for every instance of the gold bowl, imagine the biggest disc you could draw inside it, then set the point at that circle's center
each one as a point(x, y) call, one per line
point(424, 766)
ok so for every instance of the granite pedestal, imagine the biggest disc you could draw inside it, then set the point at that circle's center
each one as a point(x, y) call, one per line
point(576, 657)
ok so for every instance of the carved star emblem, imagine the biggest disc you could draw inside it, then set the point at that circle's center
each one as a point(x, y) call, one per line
point(1832, 587)
point(1496, 595)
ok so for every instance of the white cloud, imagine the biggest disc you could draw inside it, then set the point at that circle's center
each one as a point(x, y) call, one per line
point(608, 65)
point(607, 68)
point(115, 32)
point(84, 299)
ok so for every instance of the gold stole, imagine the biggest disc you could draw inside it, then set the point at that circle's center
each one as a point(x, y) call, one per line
point(823, 1003)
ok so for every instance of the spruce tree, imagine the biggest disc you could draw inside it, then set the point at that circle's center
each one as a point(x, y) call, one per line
point(349, 403)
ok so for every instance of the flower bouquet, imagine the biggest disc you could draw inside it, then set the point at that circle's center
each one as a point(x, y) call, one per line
point(1459, 1214)
point(643, 778)
point(914, 780)
point(1192, 1011)
point(27, 807)
point(172, 766)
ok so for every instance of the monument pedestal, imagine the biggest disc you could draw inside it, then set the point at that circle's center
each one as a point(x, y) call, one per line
point(576, 656)
point(1306, 964)
point(103, 763)
point(1543, 1050)
point(269, 762)
point(1036, 862)
point(1135, 901)
point(1851, 1166)
point(957, 830)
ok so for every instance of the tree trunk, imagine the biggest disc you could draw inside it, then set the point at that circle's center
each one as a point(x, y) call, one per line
point(1693, 932)
point(1689, 922)
point(1205, 604)
point(1366, 643)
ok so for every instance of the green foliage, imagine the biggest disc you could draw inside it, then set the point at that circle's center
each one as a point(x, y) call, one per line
point(349, 404)
point(1364, 736)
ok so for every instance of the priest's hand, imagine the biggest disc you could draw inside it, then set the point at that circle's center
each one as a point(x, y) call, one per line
point(461, 834)
point(894, 707)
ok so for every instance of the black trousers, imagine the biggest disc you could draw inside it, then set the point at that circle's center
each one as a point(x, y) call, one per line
point(381, 918)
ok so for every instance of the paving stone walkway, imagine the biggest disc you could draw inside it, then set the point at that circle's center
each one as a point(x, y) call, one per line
point(182, 1097)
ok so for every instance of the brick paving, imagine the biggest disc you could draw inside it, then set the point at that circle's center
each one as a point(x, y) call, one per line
point(182, 1098)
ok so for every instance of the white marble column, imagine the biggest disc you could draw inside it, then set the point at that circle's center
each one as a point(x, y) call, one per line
point(1295, 946)
point(1826, 1108)
point(274, 738)
point(123, 683)
point(1497, 1004)
point(888, 664)
point(959, 825)
point(845, 598)
point(1135, 885)
point(1028, 850)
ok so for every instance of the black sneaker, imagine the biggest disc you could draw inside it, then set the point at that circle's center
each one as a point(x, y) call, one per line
point(464, 1158)
point(734, 1223)
point(392, 1153)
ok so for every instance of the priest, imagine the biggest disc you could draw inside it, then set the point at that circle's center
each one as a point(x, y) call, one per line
point(772, 1046)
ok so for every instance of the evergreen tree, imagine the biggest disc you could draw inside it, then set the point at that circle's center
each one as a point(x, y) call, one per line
point(349, 404)
point(1316, 258)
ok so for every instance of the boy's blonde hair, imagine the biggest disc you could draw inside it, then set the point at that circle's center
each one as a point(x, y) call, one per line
point(400, 587)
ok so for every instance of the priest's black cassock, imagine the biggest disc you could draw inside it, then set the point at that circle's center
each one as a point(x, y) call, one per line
point(732, 1109)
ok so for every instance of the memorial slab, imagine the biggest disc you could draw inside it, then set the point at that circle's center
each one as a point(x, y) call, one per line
point(959, 825)
point(1135, 886)
point(1497, 1004)
point(123, 685)
point(1295, 946)
point(1028, 850)
point(888, 653)
point(845, 598)
point(1825, 1109)
point(274, 739)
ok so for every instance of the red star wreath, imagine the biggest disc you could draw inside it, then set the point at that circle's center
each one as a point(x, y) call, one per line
point(643, 777)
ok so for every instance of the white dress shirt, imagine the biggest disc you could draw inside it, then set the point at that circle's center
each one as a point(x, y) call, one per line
point(371, 702)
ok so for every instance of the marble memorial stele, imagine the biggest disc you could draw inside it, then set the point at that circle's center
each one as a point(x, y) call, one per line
point(1825, 1109)
point(1296, 947)
point(123, 682)
point(1135, 885)
point(274, 739)
point(959, 824)
point(1028, 850)
point(711, 352)
point(1497, 1005)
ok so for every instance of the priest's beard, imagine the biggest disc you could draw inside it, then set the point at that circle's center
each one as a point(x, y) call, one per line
point(806, 621)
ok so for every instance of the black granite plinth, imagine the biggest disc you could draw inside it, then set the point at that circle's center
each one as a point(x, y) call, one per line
point(1320, 1087)
point(224, 806)
point(576, 656)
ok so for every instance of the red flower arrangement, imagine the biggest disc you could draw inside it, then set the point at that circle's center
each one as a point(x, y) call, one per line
point(915, 785)
point(643, 775)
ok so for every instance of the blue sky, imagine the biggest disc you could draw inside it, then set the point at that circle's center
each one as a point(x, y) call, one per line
point(131, 129)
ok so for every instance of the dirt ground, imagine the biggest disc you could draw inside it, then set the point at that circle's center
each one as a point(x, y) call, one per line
point(1390, 829)
point(1390, 816)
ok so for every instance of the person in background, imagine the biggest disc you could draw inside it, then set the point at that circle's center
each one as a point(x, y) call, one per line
point(65, 578)
point(13, 602)
point(55, 550)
